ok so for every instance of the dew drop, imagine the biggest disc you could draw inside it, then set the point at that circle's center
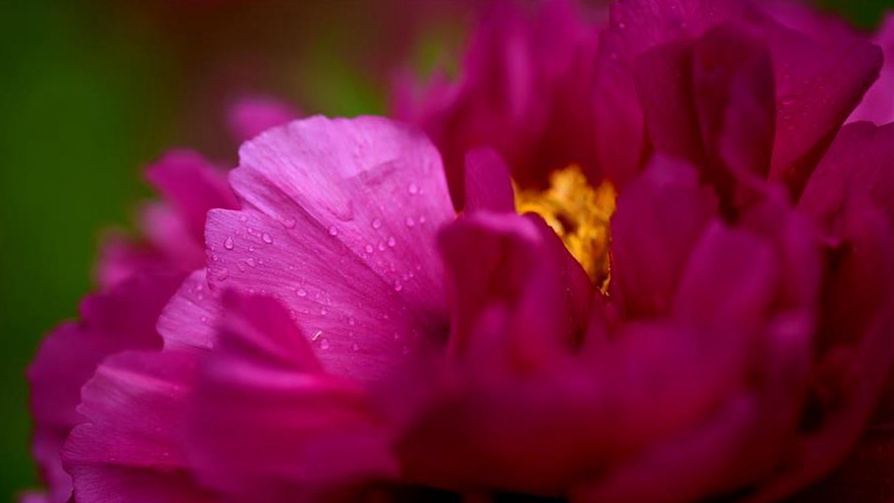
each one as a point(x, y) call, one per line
point(368, 248)
point(289, 223)
point(392, 242)
point(376, 223)
point(381, 246)
point(324, 344)
point(421, 219)
point(252, 262)
point(243, 218)
point(267, 239)
point(413, 189)
point(324, 312)
point(228, 243)
point(398, 286)
point(301, 292)
point(410, 222)
point(333, 231)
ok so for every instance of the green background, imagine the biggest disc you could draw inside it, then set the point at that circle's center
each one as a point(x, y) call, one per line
point(91, 91)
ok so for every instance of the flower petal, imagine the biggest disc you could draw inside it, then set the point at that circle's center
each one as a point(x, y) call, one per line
point(120, 319)
point(251, 116)
point(131, 447)
point(659, 219)
point(488, 185)
point(878, 103)
point(359, 202)
point(312, 435)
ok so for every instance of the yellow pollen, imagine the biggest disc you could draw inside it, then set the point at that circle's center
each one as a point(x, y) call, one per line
point(579, 214)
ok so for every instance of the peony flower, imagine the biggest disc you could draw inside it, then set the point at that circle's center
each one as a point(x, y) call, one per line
point(694, 305)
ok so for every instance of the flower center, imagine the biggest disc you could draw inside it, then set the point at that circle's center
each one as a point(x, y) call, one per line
point(579, 214)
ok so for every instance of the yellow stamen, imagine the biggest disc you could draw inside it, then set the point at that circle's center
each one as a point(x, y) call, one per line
point(579, 214)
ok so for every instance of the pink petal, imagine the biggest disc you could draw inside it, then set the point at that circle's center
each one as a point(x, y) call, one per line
point(120, 319)
point(130, 448)
point(251, 116)
point(658, 221)
point(192, 186)
point(312, 435)
point(524, 91)
point(187, 321)
point(517, 266)
point(846, 69)
point(488, 185)
point(357, 202)
point(855, 172)
point(121, 257)
point(878, 103)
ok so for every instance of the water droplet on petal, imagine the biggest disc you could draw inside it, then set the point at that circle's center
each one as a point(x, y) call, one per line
point(398, 286)
point(252, 262)
point(324, 344)
point(410, 222)
point(376, 223)
point(228, 243)
point(392, 242)
point(301, 292)
point(267, 239)
point(333, 231)
point(413, 189)
point(289, 223)
point(368, 248)
point(381, 246)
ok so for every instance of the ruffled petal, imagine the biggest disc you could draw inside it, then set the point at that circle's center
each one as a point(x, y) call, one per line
point(121, 319)
point(130, 449)
point(357, 202)
point(312, 436)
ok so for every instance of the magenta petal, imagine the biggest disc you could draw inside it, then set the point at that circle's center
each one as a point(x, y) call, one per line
point(121, 257)
point(524, 91)
point(187, 321)
point(659, 219)
point(488, 185)
point(311, 435)
point(730, 278)
point(846, 67)
point(192, 186)
point(359, 202)
point(855, 172)
point(131, 446)
point(121, 319)
point(251, 116)
point(514, 268)
point(878, 103)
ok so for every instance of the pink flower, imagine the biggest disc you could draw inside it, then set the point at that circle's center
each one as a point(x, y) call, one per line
point(721, 329)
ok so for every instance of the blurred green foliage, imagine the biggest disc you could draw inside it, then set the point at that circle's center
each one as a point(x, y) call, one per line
point(84, 102)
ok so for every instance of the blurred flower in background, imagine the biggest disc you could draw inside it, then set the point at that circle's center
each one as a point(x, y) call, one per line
point(782, 386)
